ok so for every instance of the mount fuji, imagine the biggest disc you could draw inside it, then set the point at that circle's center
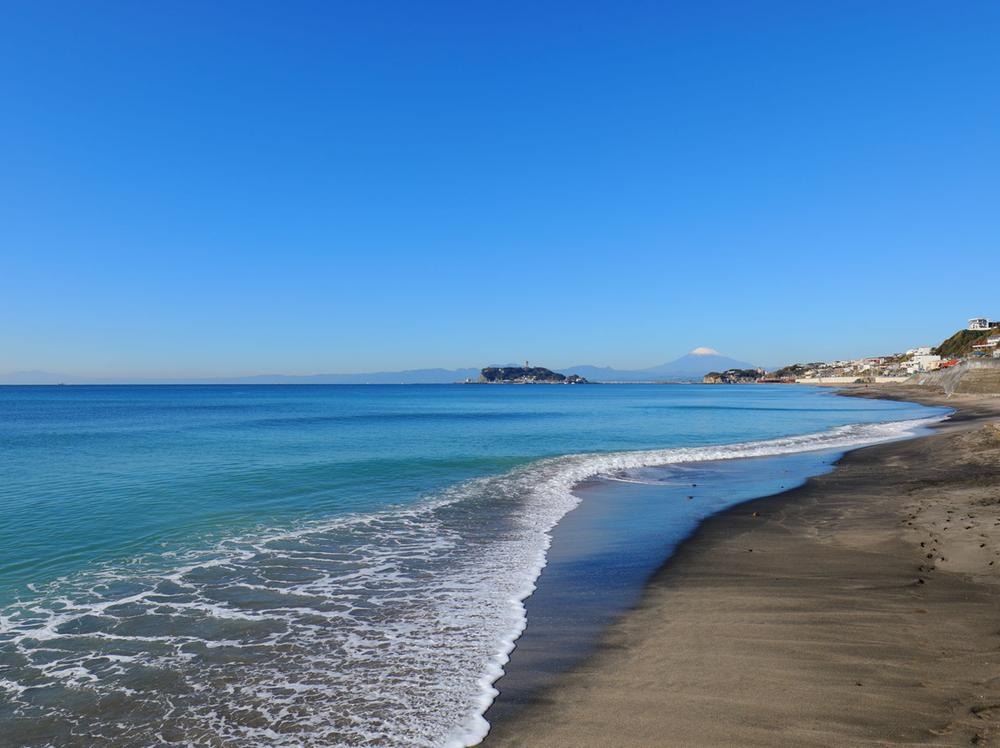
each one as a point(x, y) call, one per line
point(691, 366)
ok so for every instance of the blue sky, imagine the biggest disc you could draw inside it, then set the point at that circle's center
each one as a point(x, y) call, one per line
point(199, 189)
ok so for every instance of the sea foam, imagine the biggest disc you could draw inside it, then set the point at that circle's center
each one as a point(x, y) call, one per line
point(385, 628)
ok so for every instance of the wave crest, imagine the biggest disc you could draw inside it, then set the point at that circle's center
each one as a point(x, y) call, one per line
point(388, 627)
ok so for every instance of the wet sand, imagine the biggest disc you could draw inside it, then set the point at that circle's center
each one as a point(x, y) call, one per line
point(862, 609)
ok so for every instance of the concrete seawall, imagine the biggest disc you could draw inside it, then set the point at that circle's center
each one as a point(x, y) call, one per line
point(975, 377)
point(850, 380)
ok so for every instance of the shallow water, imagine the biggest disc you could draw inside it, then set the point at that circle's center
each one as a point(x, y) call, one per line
point(605, 550)
point(318, 565)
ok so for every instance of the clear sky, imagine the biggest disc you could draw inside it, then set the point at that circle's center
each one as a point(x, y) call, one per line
point(213, 188)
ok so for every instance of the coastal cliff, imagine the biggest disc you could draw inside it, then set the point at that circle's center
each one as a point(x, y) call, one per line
point(526, 375)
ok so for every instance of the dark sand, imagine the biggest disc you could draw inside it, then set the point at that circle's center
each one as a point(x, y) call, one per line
point(862, 609)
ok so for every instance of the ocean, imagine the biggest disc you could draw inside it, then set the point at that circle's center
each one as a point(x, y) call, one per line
point(339, 565)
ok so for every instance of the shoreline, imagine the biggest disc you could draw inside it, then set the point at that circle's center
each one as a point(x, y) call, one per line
point(605, 550)
point(869, 631)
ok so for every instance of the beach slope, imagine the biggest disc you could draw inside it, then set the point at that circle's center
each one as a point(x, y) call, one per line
point(862, 609)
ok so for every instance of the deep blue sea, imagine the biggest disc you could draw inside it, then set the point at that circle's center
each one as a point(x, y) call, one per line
point(322, 565)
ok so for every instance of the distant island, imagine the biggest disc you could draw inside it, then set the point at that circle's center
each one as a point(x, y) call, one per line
point(979, 340)
point(526, 375)
point(688, 368)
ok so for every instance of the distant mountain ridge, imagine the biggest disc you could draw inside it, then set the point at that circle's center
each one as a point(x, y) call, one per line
point(689, 367)
point(409, 376)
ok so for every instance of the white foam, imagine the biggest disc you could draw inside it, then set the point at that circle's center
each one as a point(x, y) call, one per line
point(388, 627)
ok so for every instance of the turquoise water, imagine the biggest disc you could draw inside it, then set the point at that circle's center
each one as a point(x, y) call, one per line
point(607, 549)
point(330, 565)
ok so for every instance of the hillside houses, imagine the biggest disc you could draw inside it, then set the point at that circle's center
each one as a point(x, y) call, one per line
point(968, 343)
point(973, 341)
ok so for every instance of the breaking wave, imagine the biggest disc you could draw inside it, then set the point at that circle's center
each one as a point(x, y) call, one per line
point(384, 628)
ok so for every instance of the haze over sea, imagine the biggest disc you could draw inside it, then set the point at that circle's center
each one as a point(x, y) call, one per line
point(328, 565)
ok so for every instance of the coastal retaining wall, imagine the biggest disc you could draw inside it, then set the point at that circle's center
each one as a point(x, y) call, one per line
point(826, 380)
point(850, 380)
point(975, 377)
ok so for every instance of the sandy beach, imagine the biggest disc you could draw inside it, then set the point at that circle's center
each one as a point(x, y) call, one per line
point(861, 609)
